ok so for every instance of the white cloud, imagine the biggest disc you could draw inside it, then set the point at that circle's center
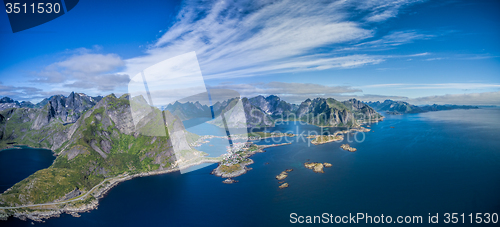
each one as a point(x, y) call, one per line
point(461, 86)
point(85, 70)
point(434, 59)
point(484, 98)
point(291, 92)
point(24, 93)
point(284, 88)
point(248, 38)
point(419, 55)
point(92, 63)
point(384, 9)
point(396, 38)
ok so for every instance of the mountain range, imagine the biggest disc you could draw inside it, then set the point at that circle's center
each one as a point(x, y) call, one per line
point(401, 107)
point(263, 111)
point(94, 139)
point(98, 138)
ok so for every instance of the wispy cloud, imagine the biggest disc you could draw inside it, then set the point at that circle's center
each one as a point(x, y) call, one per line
point(419, 55)
point(286, 89)
point(382, 10)
point(249, 38)
point(298, 92)
point(434, 59)
point(396, 38)
point(24, 93)
point(85, 70)
point(461, 86)
point(484, 98)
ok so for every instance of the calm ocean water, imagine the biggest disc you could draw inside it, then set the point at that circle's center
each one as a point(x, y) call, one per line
point(18, 163)
point(436, 162)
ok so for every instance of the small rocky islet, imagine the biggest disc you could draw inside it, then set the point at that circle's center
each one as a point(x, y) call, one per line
point(229, 181)
point(317, 166)
point(284, 185)
point(281, 177)
point(347, 147)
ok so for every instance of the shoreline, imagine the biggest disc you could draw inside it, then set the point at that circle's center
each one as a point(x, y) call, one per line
point(95, 194)
point(21, 146)
point(243, 169)
point(334, 136)
point(90, 200)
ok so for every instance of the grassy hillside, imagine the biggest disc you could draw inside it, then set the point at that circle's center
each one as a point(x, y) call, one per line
point(103, 143)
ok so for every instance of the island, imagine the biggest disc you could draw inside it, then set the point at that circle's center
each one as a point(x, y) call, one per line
point(284, 185)
point(102, 141)
point(322, 139)
point(317, 167)
point(282, 175)
point(346, 147)
point(235, 162)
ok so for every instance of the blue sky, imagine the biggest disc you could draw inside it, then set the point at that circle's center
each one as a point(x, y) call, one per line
point(423, 52)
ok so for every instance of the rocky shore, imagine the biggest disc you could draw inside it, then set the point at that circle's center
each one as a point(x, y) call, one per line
point(317, 166)
point(87, 202)
point(240, 171)
point(283, 174)
point(229, 181)
point(284, 185)
point(281, 177)
point(346, 147)
point(242, 168)
point(322, 139)
point(326, 139)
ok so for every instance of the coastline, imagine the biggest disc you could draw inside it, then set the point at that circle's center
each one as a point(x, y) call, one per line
point(21, 146)
point(335, 137)
point(243, 166)
point(243, 169)
point(90, 200)
point(94, 195)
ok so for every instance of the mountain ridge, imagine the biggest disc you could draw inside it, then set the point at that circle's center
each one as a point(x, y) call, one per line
point(103, 142)
point(401, 107)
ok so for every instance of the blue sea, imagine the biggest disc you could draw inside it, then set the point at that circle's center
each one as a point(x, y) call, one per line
point(20, 162)
point(408, 165)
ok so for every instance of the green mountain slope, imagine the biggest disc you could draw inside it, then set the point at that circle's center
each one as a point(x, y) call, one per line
point(102, 143)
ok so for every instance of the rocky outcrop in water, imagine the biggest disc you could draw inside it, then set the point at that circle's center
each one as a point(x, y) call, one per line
point(284, 185)
point(315, 166)
point(282, 175)
point(346, 147)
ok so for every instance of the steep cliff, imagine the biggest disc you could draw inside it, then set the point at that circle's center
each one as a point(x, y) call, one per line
point(103, 142)
point(400, 107)
point(330, 112)
point(263, 111)
point(273, 105)
point(395, 107)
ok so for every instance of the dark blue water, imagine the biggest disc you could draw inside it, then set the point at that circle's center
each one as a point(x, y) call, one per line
point(18, 163)
point(427, 163)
